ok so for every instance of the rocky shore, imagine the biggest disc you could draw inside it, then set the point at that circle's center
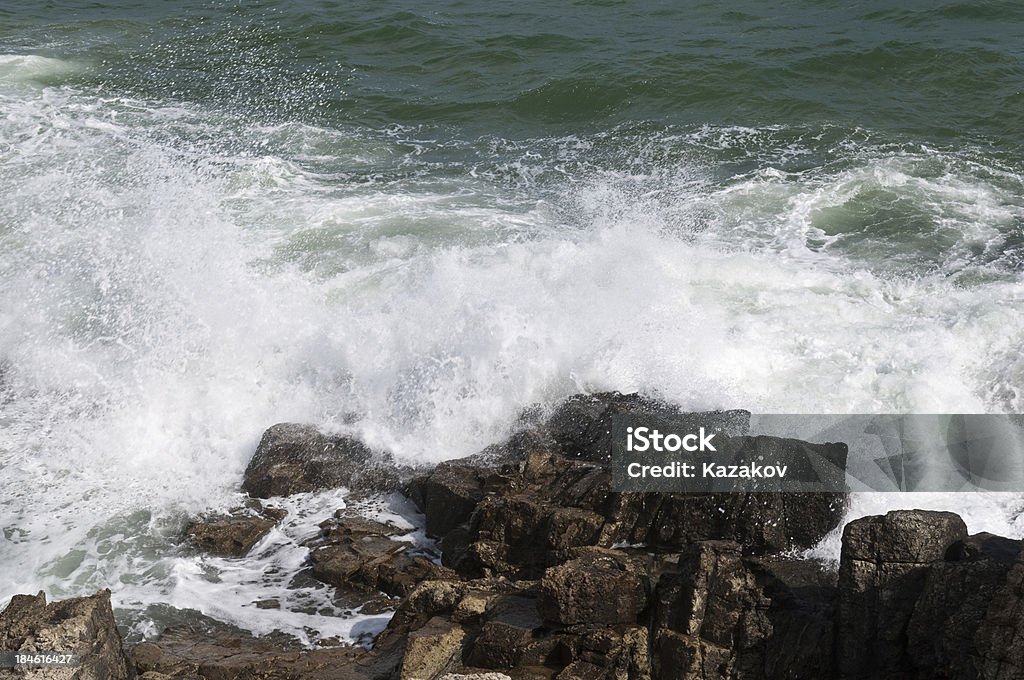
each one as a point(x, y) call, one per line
point(546, 573)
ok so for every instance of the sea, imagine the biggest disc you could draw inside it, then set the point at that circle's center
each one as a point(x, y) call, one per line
point(410, 221)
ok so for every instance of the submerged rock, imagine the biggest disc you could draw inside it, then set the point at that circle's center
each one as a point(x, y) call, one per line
point(81, 625)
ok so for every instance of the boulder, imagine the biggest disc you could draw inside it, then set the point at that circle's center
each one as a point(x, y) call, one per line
point(81, 625)
point(883, 571)
point(710, 617)
point(293, 458)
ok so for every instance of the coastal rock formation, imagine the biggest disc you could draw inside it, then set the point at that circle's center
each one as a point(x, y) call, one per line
point(520, 507)
point(549, 574)
point(83, 626)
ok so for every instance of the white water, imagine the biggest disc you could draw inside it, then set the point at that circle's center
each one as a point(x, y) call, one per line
point(174, 281)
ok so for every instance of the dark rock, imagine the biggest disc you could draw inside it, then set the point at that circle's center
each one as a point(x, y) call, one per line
point(582, 424)
point(81, 625)
point(710, 618)
point(801, 614)
point(1000, 655)
point(883, 570)
point(602, 587)
point(294, 458)
point(953, 603)
point(358, 553)
point(508, 633)
point(432, 649)
point(182, 653)
point(447, 495)
point(229, 536)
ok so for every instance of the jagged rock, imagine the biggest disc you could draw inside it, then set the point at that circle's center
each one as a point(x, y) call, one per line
point(447, 495)
point(182, 653)
point(81, 625)
point(432, 649)
point(953, 603)
point(357, 553)
point(293, 458)
point(582, 424)
point(883, 569)
point(517, 508)
point(229, 535)
point(1000, 656)
point(509, 630)
point(710, 619)
point(475, 676)
point(597, 588)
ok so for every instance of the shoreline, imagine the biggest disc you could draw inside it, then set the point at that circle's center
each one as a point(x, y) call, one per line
point(541, 571)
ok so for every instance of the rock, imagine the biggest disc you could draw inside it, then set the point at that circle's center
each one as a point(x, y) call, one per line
point(447, 495)
point(710, 618)
point(432, 649)
point(475, 676)
point(229, 535)
point(81, 625)
point(293, 458)
point(508, 632)
point(597, 588)
point(1000, 656)
point(953, 603)
point(183, 653)
point(883, 569)
point(357, 553)
point(517, 508)
point(582, 424)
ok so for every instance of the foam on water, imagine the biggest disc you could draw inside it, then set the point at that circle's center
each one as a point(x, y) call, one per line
point(175, 281)
point(33, 68)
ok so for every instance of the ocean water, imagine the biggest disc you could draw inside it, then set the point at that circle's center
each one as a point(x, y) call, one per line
point(410, 222)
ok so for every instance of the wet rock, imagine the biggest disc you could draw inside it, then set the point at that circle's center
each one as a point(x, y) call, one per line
point(358, 553)
point(602, 587)
point(507, 633)
point(82, 625)
point(448, 495)
point(883, 570)
point(229, 535)
point(582, 424)
point(293, 458)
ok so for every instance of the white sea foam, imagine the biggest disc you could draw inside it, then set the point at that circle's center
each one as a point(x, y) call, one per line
point(28, 68)
point(165, 301)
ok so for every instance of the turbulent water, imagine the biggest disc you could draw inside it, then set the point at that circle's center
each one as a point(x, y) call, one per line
point(412, 223)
